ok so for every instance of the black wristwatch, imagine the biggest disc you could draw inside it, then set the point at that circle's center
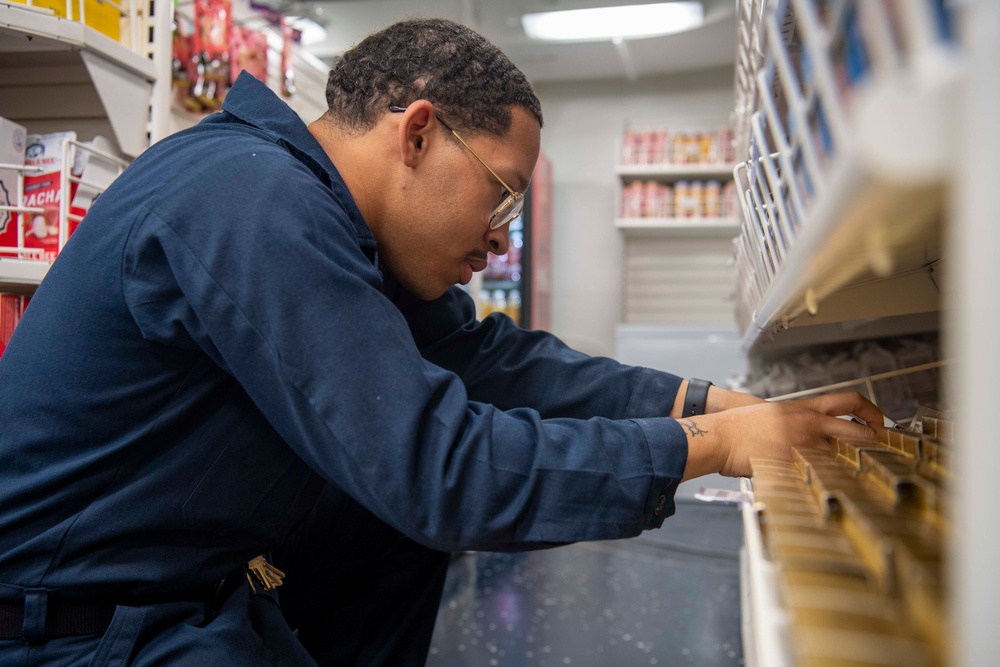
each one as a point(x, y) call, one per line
point(695, 397)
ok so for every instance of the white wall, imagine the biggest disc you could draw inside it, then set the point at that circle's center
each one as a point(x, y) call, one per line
point(584, 122)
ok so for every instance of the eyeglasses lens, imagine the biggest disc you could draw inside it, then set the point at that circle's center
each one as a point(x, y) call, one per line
point(508, 209)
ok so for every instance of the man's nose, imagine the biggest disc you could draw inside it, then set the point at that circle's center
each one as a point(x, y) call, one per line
point(499, 240)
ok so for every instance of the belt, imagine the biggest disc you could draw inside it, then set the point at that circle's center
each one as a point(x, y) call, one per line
point(64, 618)
point(70, 618)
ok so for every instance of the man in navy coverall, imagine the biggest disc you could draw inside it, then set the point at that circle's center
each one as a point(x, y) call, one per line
point(253, 346)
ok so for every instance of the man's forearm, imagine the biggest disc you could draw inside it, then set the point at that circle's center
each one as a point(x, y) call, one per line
point(719, 399)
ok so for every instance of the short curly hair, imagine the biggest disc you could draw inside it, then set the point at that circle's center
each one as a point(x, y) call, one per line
point(471, 82)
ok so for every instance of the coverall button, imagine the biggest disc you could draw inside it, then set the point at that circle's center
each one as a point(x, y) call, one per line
point(661, 502)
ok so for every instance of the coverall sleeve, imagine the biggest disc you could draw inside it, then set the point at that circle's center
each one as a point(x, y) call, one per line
point(510, 367)
point(286, 301)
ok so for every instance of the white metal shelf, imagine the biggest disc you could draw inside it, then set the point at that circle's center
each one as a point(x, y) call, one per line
point(766, 641)
point(675, 171)
point(866, 244)
point(678, 226)
point(21, 275)
point(124, 79)
point(50, 33)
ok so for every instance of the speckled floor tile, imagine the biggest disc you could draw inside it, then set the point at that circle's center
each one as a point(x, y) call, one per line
point(669, 597)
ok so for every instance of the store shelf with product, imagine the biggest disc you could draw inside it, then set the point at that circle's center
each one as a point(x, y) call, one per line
point(667, 171)
point(679, 226)
point(61, 73)
point(47, 203)
point(104, 72)
point(856, 152)
point(844, 191)
point(676, 182)
point(213, 41)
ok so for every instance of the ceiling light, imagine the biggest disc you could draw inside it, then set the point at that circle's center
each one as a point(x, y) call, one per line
point(600, 23)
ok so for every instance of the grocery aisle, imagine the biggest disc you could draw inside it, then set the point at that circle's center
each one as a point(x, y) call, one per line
point(668, 597)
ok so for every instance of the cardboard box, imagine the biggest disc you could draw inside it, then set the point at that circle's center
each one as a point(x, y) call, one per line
point(12, 143)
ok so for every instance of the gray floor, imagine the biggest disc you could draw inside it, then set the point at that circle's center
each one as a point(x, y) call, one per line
point(669, 597)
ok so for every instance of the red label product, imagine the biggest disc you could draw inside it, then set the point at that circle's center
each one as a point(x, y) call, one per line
point(42, 190)
point(10, 314)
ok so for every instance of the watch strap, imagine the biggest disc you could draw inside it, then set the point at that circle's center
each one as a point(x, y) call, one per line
point(695, 397)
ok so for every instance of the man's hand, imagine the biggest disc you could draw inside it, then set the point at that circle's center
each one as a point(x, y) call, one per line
point(725, 441)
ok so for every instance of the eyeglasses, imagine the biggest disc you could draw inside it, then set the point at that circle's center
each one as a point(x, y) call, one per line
point(512, 203)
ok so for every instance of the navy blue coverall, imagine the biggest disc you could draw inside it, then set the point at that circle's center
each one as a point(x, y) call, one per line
point(218, 367)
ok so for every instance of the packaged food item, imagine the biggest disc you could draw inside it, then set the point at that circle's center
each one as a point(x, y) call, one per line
point(707, 153)
point(696, 195)
point(13, 139)
point(713, 199)
point(681, 200)
point(630, 147)
point(658, 149)
point(652, 200)
point(182, 68)
point(248, 51)
point(632, 196)
point(692, 149)
point(678, 148)
point(212, 27)
point(43, 189)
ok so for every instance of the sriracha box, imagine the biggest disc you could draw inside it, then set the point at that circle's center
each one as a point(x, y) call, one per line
point(43, 190)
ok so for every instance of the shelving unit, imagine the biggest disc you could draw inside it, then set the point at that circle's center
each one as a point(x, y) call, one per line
point(728, 227)
point(309, 99)
point(103, 87)
point(668, 241)
point(59, 74)
point(868, 198)
point(672, 171)
point(21, 276)
point(853, 232)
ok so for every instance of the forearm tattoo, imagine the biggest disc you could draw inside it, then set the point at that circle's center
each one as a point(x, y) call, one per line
point(692, 428)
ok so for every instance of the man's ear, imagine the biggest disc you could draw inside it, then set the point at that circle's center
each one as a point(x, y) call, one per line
point(416, 128)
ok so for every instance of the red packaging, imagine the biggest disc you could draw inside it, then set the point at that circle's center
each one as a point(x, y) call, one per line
point(658, 151)
point(213, 20)
point(10, 313)
point(630, 146)
point(43, 190)
point(632, 196)
point(652, 200)
point(248, 51)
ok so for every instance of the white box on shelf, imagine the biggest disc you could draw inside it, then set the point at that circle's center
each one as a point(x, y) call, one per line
point(12, 143)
